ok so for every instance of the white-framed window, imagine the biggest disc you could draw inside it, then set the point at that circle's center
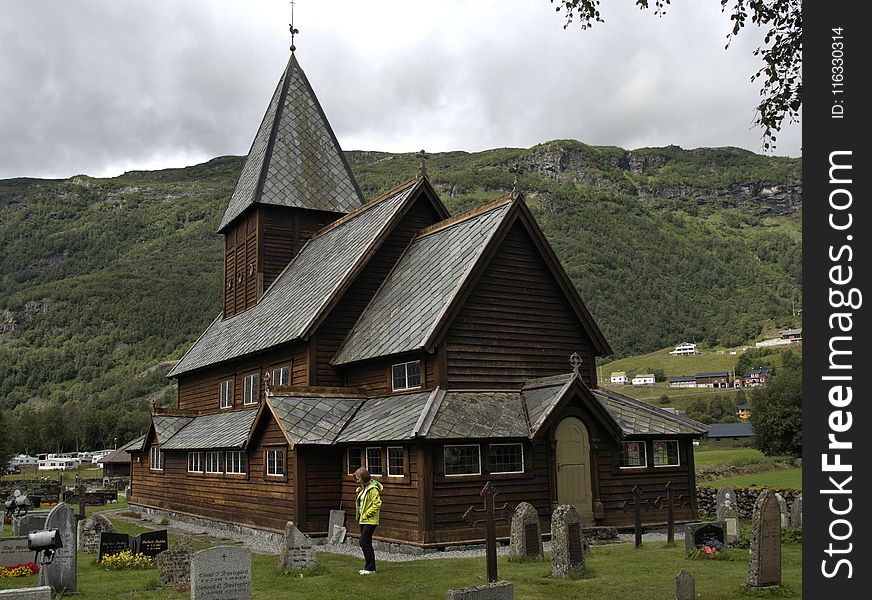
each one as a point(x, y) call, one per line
point(249, 389)
point(275, 463)
point(374, 461)
point(195, 462)
point(633, 455)
point(406, 376)
point(156, 459)
point(354, 459)
point(462, 459)
point(505, 458)
point(236, 462)
point(666, 453)
point(226, 394)
point(213, 462)
point(396, 462)
point(281, 376)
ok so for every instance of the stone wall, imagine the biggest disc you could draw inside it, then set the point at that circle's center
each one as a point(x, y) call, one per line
point(706, 499)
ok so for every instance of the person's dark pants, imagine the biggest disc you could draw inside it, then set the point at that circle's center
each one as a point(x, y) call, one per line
point(366, 532)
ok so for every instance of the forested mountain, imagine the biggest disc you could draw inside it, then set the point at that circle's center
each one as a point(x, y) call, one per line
point(103, 281)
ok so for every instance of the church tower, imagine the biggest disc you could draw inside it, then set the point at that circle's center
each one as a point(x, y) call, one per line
point(295, 181)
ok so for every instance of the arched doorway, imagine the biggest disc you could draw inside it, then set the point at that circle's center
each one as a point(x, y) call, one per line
point(573, 467)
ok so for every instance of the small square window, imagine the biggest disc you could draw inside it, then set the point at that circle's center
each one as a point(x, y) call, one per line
point(462, 460)
point(354, 460)
point(227, 394)
point(506, 458)
point(666, 453)
point(275, 463)
point(280, 376)
point(633, 455)
point(396, 463)
point(374, 461)
point(406, 376)
point(236, 462)
point(195, 462)
point(213, 462)
point(249, 389)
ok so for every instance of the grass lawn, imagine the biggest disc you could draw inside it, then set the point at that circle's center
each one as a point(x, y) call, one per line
point(788, 479)
point(619, 572)
point(720, 456)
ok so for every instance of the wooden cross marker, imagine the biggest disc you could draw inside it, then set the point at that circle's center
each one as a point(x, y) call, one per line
point(637, 507)
point(80, 489)
point(488, 492)
point(422, 168)
point(516, 188)
point(670, 502)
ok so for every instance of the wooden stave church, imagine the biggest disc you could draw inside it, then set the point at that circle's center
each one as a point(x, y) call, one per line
point(331, 304)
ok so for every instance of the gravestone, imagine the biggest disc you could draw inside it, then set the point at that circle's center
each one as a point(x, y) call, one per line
point(525, 539)
point(337, 518)
point(33, 521)
point(782, 507)
point(60, 574)
point(796, 513)
point(174, 565)
point(152, 543)
point(35, 593)
point(764, 558)
point(697, 534)
point(728, 512)
point(90, 530)
point(297, 550)
point(14, 551)
point(221, 573)
point(567, 545)
point(337, 535)
point(685, 586)
point(112, 543)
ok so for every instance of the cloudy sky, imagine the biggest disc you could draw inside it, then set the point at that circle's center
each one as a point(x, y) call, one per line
point(104, 86)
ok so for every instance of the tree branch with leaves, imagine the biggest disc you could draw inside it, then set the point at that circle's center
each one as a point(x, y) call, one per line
point(781, 52)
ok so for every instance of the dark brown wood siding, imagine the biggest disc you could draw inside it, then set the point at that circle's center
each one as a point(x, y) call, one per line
point(284, 232)
point(346, 312)
point(199, 392)
point(241, 265)
point(375, 375)
point(321, 490)
point(516, 323)
point(251, 499)
point(399, 511)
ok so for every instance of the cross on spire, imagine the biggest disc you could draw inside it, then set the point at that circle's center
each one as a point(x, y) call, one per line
point(422, 168)
point(516, 188)
point(575, 361)
point(294, 30)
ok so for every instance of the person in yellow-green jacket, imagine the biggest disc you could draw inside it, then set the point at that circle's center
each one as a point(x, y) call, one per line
point(368, 509)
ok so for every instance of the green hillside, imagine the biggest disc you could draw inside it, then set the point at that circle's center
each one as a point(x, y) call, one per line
point(102, 281)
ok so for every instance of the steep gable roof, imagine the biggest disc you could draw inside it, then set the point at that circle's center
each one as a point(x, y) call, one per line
point(301, 294)
point(640, 418)
point(421, 287)
point(307, 420)
point(294, 159)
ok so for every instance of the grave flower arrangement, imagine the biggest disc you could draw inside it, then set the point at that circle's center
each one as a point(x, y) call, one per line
point(710, 549)
point(19, 570)
point(126, 560)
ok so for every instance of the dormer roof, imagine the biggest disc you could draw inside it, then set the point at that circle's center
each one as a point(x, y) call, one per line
point(294, 160)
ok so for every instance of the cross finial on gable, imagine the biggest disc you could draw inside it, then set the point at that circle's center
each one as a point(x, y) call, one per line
point(294, 30)
point(516, 188)
point(422, 168)
point(575, 361)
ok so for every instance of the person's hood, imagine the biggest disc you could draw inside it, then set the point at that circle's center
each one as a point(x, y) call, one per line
point(374, 483)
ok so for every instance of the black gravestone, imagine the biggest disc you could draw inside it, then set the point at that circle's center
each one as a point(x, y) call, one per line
point(576, 550)
point(531, 539)
point(709, 532)
point(112, 543)
point(152, 543)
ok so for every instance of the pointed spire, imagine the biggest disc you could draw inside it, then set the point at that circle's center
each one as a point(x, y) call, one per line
point(422, 168)
point(516, 188)
point(294, 160)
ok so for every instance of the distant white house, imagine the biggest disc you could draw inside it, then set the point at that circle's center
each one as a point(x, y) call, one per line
point(683, 381)
point(644, 379)
point(685, 348)
point(618, 378)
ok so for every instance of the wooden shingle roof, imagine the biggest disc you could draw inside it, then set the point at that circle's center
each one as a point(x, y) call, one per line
point(219, 430)
point(294, 159)
point(298, 297)
point(404, 313)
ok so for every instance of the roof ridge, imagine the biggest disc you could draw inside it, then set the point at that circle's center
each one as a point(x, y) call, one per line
point(361, 209)
point(465, 216)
